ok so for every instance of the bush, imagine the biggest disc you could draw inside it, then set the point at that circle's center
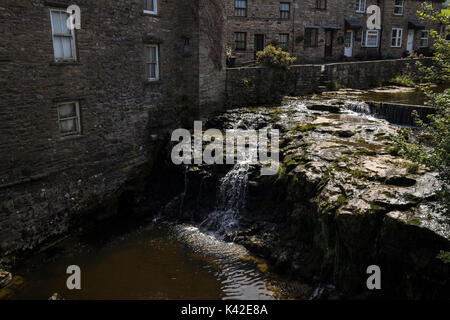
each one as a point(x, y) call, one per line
point(275, 58)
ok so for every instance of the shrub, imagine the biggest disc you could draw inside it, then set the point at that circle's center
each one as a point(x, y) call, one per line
point(299, 38)
point(275, 58)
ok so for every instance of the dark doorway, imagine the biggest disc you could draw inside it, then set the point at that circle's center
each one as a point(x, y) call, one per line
point(259, 43)
point(328, 43)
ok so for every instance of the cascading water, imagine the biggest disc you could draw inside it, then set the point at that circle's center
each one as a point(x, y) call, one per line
point(231, 201)
point(358, 106)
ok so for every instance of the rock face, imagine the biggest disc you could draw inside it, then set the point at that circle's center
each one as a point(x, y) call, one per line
point(5, 278)
point(55, 297)
point(341, 202)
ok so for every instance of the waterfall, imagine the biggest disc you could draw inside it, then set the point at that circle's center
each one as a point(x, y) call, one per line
point(358, 106)
point(183, 194)
point(231, 201)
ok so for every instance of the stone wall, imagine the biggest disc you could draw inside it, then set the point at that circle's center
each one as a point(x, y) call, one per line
point(46, 177)
point(367, 74)
point(261, 86)
point(212, 69)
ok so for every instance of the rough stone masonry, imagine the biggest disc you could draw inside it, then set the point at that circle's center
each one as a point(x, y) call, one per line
point(120, 115)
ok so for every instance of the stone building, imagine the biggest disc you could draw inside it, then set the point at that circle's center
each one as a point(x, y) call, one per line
point(81, 109)
point(321, 30)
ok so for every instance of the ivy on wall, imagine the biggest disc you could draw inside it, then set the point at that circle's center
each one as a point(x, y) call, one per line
point(212, 24)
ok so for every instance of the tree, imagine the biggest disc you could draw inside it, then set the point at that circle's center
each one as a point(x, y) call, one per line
point(430, 145)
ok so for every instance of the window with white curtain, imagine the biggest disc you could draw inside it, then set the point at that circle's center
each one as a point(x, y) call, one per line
point(372, 38)
point(285, 10)
point(361, 6)
point(69, 118)
point(424, 39)
point(151, 6)
point(240, 8)
point(284, 41)
point(152, 62)
point(240, 40)
point(397, 35)
point(63, 37)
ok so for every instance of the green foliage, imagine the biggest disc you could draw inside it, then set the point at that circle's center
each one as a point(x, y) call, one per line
point(444, 256)
point(245, 82)
point(430, 145)
point(403, 80)
point(412, 167)
point(336, 85)
point(440, 70)
point(275, 58)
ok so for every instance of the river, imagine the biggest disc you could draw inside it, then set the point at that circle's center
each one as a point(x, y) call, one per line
point(157, 261)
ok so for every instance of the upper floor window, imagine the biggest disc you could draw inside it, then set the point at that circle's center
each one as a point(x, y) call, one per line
point(240, 41)
point(397, 36)
point(151, 6)
point(361, 6)
point(285, 10)
point(321, 4)
point(398, 7)
point(424, 39)
point(152, 55)
point(69, 118)
point(372, 38)
point(240, 8)
point(311, 37)
point(63, 38)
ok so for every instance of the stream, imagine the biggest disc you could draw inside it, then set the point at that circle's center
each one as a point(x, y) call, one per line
point(124, 259)
point(158, 261)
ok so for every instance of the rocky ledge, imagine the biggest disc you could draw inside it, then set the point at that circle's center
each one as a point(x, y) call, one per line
point(343, 200)
point(5, 278)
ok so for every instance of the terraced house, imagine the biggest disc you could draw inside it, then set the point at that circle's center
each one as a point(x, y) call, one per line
point(320, 30)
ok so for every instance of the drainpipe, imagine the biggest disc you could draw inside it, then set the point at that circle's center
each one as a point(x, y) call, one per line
point(381, 29)
point(294, 3)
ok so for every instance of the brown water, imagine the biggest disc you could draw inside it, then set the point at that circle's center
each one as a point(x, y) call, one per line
point(153, 262)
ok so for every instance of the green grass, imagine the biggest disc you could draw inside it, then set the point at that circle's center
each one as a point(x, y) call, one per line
point(403, 80)
point(412, 167)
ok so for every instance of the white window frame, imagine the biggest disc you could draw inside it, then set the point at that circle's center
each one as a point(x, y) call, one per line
point(427, 38)
point(72, 39)
point(285, 44)
point(366, 37)
point(155, 6)
point(77, 117)
point(398, 37)
point(156, 46)
point(361, 6)
point(402, 7)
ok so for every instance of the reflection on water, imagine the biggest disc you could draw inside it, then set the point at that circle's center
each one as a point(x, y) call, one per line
point(154, 262)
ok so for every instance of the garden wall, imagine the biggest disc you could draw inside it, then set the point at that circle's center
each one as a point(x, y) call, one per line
point(261, 86)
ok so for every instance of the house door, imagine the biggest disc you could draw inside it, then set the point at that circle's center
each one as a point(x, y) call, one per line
point(410, 42)
point(348, 49)
point(259, 43)
point(328, 43)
